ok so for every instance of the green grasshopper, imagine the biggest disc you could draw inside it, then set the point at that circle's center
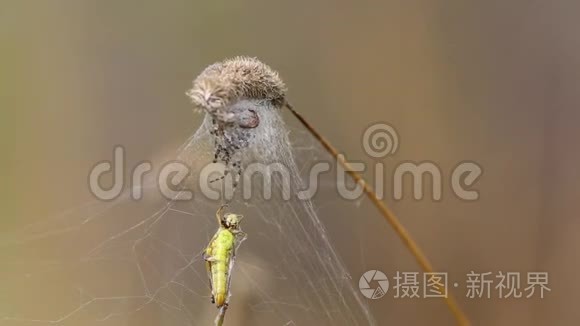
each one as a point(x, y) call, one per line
point(220, 254)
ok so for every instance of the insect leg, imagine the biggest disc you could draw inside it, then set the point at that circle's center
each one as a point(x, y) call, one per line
point(209, 260)
point(240, 237)
point(230, 270)
point(208, 269)
point(218, 214)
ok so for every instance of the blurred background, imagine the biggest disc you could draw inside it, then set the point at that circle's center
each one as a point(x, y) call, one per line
point(494, 82)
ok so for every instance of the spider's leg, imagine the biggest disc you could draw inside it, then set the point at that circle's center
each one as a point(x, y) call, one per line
point(220, 177)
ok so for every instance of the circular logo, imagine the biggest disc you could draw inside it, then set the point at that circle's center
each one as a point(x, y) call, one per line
point(380, 140)
point(374, 278)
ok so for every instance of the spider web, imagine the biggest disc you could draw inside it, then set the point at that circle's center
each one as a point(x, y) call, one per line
point(140, 262)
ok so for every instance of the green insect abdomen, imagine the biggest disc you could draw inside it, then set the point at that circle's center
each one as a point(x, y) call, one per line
point(221, 251)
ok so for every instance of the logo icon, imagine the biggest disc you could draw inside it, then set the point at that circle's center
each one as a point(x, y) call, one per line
point(380, 140)
point(379, 282)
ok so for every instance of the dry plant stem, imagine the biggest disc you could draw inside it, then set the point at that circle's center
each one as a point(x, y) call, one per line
point(219, 320)
point(386, 212)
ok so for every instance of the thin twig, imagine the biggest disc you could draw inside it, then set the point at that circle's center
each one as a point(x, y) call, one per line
point(387, 214)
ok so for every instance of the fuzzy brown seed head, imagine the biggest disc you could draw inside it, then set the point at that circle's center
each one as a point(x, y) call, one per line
point(223, 83)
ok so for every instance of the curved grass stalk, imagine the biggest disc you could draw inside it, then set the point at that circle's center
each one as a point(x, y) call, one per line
point(387, 214)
